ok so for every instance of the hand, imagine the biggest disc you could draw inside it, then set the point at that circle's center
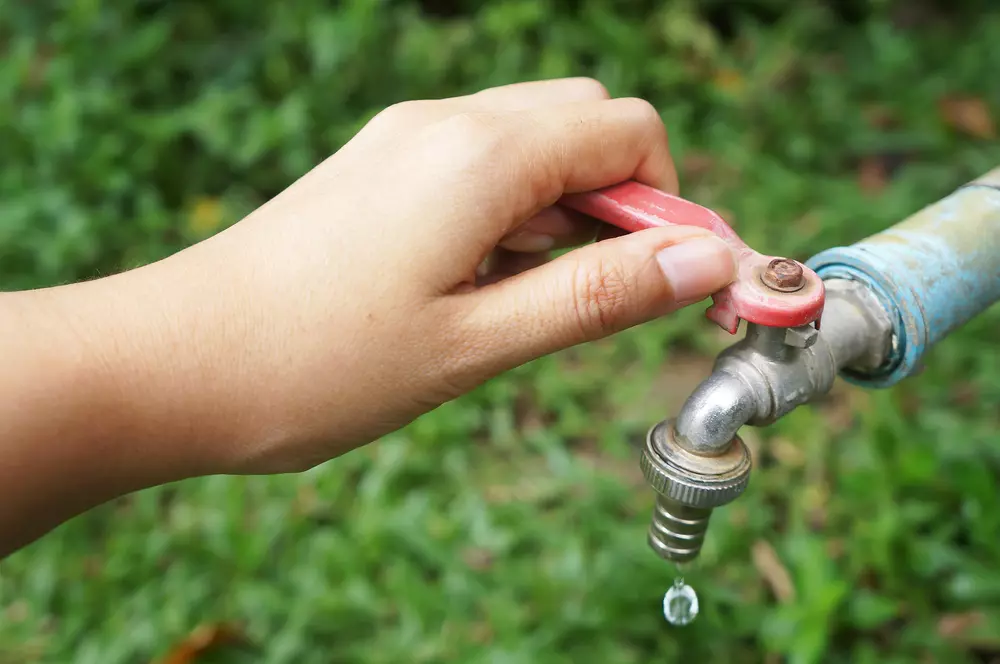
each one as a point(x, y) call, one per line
point(350, 304)
point(358, 298)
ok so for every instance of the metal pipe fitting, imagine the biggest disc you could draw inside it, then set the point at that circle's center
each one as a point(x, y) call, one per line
point(697, 462)
point(774, 370)
point(932, 272)
point(688, 487)
point(714, 412)
point(888, 299)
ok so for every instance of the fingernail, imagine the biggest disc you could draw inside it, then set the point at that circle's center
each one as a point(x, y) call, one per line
point(697, 268)
point(528, 242)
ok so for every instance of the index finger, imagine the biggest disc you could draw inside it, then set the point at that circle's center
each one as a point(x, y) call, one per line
point(543, 153)
point(595, 144)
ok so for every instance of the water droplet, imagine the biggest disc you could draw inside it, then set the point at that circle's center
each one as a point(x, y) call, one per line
point(680, 604)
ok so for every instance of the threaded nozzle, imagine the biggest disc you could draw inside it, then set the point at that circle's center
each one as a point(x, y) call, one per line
point(688, 487)
point(677, 531)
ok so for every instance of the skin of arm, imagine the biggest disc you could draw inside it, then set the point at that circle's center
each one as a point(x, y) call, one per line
point(403, 271)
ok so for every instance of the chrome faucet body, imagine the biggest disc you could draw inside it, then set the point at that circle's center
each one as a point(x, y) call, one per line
point(889, 298)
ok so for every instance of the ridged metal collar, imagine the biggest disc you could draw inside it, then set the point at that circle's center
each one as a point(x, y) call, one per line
point(692, 479)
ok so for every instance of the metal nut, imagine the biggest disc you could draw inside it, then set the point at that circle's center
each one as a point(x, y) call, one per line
point(784, 275)
point(692, 479)
point(803, 336)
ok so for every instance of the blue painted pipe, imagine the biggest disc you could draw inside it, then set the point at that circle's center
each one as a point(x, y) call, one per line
point(933, 272)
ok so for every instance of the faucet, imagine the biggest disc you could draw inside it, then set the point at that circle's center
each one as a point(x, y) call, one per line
point(882, 304)
point(697, 461)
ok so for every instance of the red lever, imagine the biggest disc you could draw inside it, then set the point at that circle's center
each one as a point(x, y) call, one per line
point(632, 206)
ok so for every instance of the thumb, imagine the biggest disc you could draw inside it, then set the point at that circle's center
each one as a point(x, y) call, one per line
point(595, 291)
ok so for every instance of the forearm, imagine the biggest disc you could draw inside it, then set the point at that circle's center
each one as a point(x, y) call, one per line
point(91, 406)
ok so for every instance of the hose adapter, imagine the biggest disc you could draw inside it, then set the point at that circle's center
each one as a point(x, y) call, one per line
point(688, 487)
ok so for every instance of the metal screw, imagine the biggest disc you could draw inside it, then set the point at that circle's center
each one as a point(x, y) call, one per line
point(783, 274)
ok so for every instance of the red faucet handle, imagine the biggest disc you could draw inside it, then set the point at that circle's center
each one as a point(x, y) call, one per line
point(767, 291)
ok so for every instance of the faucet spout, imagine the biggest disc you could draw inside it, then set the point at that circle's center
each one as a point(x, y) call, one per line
point(774, 370)
point(714, 412)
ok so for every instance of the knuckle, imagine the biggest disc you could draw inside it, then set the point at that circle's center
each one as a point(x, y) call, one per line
point(474, 129)
point(591, 88)
point(399, 114)
point(392, 114)
point(470, 140)
point(644, 112)
point(602, 293)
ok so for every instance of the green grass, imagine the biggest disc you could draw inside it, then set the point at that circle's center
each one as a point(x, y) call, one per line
point(509, 526)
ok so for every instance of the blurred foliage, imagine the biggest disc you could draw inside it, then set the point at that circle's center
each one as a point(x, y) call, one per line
point(508, 526)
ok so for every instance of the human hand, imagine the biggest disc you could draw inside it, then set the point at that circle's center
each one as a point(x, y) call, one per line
point(354, 301)
point(357, 299)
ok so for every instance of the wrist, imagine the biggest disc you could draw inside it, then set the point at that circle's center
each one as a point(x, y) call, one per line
point(75, 407)
point(197, 370)
point(152, 335)
point(130, 372)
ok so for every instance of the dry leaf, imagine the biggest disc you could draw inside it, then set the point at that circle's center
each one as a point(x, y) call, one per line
point(739, 515)
point(952, 625)
point(751, 438)
point(92, 567)
point(478, 559)
point(842, 405)
point(771, 569)
point(675, 384)
point(872, 175)
point(696, 164)
point(729, 216)
point(482, 632)
point(205, 216)
point(912, 15)
point(201, 640)
point(17, 612)
point(729, 81)
point(786, 452)
point(965, 394)
point(307, 500)
point(39, 66)
point(879, 116)
point(816, 498)
point(969, 115)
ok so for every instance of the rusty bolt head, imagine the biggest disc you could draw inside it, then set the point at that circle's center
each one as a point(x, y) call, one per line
point(783, 274)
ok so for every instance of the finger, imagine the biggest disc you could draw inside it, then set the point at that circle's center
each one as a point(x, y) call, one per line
point(534, 94)
point(504, 264)
point(590, 293)
point(607, 231)
point(409, 115)
point(594, 143)
point(537, 155)
point(552, 228)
